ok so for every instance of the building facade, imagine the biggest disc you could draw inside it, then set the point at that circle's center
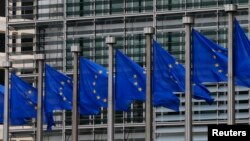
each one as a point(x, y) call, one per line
point(53, 26)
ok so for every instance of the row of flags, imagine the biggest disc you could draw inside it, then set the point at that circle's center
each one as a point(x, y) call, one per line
point(210, 60)
point(209, 65)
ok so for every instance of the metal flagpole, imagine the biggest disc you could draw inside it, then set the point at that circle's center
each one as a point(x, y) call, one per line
point(188, 21)
point(75, 50)
point(110, 41)
point(63, 125)
point(6, 65)
point(40, 58)
point(149, 31)
point(230, 9)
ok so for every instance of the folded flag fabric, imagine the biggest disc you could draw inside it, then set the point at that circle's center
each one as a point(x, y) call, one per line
point(13, 121)
point(93, 87)
point(130, 82)
point(172, 75)
point(58, 93)
point(209, 59)
point(23, 98)
point(241, 56)
point(23, 101)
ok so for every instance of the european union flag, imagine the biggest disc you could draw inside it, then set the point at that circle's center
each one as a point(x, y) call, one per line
point(130, 84)
point(169, 76)
point(58, 93)
point(13, 121)
point(242, 56)
point(93, 87)
point(23, 99)
point(58, 90)
point(209, 59)
point(1, 103)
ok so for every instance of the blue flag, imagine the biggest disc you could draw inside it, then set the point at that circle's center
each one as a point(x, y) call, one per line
point(242, 56)
point(23, 101)
point(1, 103)
point(58, 90)
point(169, 75)
point(93, 87)
point(58, 93)
point(130, 84)
point(13, 121)
point(209, 59)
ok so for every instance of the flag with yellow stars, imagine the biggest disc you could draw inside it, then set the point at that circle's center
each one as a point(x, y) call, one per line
point(58, 93)
point(23, 101)
point(241, 55)
point(23, 98)
point(169, 76)
point(93, 87)
point(130, 82)
point(209, 59)
point(58, 90)
point(13, 121)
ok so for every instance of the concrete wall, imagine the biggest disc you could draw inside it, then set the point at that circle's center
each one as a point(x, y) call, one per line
point(2, 24)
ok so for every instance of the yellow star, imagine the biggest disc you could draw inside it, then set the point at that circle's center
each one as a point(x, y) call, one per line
point(62, 82)
point(94, 83)
point(214, 57)
point(68, 81)
point(96, 76)
point(64, 98)
point(177, 63)
point(144, 72)
point(105, 100)
point(135, 83)
point(170, 66)
point(139, 89)
point(135, 76)
point(216, 65)
point(61, 88)
point(100, 71)
point(98, 97)
point(30, 103)
point(220, 71)
point(35, 108)
point(29, 92)
point(60, 93)
point(94, 91)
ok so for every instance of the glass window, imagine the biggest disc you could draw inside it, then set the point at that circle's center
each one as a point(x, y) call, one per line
point(27, 44)
point(102, 7)
point(116, 6)
point(139, 6)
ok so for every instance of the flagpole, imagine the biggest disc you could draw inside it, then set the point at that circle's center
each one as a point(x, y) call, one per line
point(6, 65)
point(149, 31)
point(188, 21)
point(110, 41)
point(75, 50)
point(63, 125)
point(40, 58)
point(231, 9)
